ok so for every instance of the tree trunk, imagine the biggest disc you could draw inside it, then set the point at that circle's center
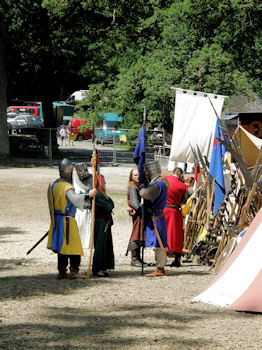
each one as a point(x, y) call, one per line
point(4, 141)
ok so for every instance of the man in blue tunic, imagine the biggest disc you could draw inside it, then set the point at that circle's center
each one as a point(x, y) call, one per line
point(156, 234)
point(63, 236)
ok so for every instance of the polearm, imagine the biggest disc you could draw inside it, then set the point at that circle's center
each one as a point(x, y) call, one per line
point(38, 242)
point(143, 206)
point(94, 160)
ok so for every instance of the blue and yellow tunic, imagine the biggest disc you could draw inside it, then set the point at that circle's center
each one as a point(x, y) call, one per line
point(57, 235)
point(158, 206)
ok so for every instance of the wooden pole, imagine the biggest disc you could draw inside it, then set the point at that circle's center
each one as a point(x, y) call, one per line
point(159, 238)
point(209, 208)
point(94, 162)
point(219, 250)
point(247, 206)
point(143, 207)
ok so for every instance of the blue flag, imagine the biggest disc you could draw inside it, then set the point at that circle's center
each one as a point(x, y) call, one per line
point(216, 167)
point(140, 153)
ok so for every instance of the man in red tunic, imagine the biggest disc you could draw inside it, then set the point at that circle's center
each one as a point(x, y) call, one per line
point(174, 219)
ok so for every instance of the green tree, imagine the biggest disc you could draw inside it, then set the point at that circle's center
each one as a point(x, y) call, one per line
point(93, 105)
point(222, 36)
point(4, 144)
point(137, 50)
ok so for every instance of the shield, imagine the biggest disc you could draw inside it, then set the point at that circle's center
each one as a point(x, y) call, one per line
point(51, 205)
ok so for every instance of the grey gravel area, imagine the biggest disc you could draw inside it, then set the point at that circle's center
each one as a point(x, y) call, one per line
point(124, 311)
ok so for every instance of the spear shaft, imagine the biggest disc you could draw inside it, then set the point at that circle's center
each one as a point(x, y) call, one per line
point(93, 206)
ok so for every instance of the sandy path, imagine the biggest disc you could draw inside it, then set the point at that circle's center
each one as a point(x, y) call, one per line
point(125, 311)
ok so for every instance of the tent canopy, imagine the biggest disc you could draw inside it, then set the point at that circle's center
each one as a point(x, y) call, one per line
point(250, 145)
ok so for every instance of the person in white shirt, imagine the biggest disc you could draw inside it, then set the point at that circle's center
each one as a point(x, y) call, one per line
point(63, 135)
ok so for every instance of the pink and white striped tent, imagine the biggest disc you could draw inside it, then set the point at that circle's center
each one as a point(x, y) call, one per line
point(238, 285)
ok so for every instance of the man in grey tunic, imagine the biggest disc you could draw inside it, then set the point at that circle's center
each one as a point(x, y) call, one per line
point(83, 184)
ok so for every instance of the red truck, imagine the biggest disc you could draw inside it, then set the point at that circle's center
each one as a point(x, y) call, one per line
point(80, 129)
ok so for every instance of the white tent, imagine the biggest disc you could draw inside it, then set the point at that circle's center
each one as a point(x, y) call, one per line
point(238, 285)
point(194, 123)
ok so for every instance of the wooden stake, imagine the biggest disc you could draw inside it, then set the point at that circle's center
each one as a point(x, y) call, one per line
point(93, 211)
point(219, 250)
point(247, 206)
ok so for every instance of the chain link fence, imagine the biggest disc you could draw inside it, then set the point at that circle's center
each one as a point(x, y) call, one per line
point(114, 150)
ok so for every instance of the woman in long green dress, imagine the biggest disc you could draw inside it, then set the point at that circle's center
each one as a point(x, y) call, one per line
point(103, 258)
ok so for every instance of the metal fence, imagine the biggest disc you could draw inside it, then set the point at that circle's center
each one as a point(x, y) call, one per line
point(112, 153)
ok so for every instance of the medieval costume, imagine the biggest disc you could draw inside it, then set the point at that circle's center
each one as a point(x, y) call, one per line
point(133, 200)
point(63, 236)
point(174, 217)
point(83, 183)
point(103, 258)
point(156, 193)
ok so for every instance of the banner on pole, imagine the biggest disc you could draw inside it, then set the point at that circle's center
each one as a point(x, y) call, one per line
point(194, 123)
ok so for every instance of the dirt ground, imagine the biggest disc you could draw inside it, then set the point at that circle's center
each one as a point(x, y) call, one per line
point(124, 311)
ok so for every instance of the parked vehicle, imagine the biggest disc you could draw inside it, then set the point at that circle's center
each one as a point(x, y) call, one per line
point(18, 121)
point(33, 110)
point(34, 122)
point(110, 129)
point(35, 104)
point(80, 128)
point(26, 145)
point(75, 97)
point(11, 115)
point(24, 120)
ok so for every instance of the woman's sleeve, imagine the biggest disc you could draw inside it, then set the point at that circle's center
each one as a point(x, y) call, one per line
point(134, 197)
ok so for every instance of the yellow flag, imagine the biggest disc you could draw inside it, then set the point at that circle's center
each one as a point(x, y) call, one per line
point(186, 207)
point(202, 235)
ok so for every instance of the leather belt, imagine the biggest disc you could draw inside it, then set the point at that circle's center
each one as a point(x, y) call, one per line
point(66, 215)
point(157, 217)
point(173, 207)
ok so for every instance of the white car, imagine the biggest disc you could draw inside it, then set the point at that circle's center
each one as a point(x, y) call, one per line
point(19, 120)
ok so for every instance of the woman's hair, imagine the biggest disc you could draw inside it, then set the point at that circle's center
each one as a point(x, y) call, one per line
point(190, 179)
point(130, 180)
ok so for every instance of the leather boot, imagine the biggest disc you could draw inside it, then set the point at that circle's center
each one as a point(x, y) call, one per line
point(176, 262)
point(159, 271)
point(62, 274)
point(74, 274)
point(135, 258)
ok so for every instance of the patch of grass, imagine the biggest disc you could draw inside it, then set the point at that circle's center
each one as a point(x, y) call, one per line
point(125, 147)
point(120, 210)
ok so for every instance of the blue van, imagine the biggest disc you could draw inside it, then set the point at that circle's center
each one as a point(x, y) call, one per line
point(109, 130)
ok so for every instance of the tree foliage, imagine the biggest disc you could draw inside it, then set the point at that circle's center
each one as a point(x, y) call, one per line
point(133, 50)
point(93, 105)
